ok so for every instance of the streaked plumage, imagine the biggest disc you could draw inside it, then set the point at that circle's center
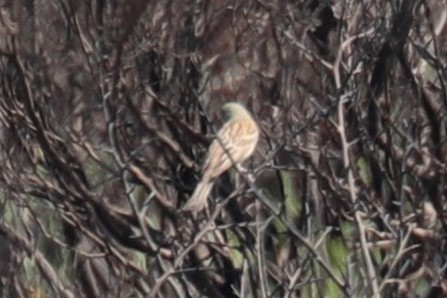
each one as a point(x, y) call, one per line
point(239, 135)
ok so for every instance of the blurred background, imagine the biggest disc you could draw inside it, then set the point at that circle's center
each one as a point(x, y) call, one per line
point(107, 108)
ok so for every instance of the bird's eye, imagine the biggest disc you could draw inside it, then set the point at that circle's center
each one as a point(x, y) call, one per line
point(226, 114)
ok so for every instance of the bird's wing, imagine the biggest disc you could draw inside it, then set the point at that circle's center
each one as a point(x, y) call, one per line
point(239, 138)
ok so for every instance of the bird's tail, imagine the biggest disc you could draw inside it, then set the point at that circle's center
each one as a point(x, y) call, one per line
point(199, 198)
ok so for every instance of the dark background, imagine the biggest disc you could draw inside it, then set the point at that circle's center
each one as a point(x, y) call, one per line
point(107, 108)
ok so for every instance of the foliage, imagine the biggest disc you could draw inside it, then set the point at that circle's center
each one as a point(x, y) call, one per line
point(107, 108)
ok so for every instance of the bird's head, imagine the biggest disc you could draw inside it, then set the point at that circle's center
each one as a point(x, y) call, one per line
point(233, 110)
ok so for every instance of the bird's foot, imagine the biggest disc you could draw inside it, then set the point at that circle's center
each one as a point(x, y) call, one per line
point(242, 169)
point(251, 177)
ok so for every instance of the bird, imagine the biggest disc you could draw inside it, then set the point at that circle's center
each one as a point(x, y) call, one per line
point(234, 143)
